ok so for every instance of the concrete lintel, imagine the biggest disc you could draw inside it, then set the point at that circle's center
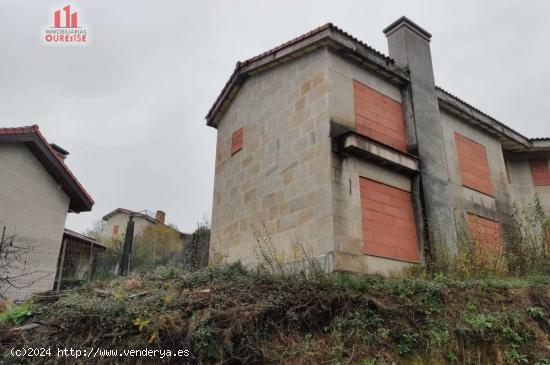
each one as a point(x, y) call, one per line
point(363, 147)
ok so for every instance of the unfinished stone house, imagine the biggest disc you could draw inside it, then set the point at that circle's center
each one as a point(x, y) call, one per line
point(360, 157)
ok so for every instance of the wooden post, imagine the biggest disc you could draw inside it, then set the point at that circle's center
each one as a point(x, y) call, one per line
point(91, 261)
point(128, 240)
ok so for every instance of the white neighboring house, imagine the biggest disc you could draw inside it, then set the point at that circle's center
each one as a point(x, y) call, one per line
point(117, 220)
point(37, 190)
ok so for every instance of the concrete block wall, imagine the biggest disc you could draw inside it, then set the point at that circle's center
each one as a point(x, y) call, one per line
point(523, 188)
point(347, 171)
point(495, 204)
point(281, 177)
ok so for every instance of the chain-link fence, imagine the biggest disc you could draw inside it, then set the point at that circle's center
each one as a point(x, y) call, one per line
point(29, 265)
point(154, 248)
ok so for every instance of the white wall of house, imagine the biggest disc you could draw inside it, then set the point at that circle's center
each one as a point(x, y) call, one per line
point(34, 208)
point(121, 220)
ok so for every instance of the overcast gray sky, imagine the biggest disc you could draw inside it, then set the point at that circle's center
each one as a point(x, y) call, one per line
point(130, 105)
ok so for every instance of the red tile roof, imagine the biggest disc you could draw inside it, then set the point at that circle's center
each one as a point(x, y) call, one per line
point(53, 162)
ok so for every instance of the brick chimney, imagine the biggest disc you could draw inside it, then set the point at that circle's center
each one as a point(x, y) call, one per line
point(160, 216)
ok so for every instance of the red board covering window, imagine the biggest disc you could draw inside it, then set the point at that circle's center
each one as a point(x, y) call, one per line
point(484, 230)
point(379, 117)
point(389, 228)
point(237, 141)
point(473, 165)
point(540, 171)
point(115, 230)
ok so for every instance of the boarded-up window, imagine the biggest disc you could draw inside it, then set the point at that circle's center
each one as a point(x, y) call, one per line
point(473, 165)
point(486, 231)
point(389, 228)
point(237, 141)
point(115, 230)
point(540, 171)
point(379, 117)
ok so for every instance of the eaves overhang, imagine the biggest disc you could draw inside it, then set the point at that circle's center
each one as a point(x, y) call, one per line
point(328, 36)
point(80, 200)
point(510, 140)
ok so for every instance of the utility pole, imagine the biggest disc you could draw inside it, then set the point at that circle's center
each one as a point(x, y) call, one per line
point(128, 241)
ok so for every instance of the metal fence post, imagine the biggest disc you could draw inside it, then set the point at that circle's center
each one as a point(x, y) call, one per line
point(62, 263)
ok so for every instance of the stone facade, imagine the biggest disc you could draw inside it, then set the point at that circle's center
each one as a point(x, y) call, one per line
point(279, 183)
point(334, 155)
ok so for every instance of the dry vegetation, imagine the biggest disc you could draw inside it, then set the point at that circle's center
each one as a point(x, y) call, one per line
point(232, 315)
point(461, 310)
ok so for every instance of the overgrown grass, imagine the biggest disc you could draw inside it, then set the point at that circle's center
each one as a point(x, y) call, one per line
point(522, 248)
point(476, 307)
point(235, 315)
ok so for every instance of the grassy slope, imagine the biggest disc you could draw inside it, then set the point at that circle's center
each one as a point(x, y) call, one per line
point(232, 315)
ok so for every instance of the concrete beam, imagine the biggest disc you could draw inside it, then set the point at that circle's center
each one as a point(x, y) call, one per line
point(365, 148)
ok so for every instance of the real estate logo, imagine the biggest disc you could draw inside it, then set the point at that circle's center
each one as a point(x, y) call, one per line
point(65, 28)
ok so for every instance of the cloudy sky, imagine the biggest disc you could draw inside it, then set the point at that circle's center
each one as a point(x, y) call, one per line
point(130, 105)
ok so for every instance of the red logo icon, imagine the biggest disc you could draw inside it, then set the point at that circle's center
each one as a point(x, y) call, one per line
point(65, 29)
point(71, 20)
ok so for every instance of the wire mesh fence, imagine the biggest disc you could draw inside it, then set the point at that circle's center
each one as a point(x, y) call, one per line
point(29, 265)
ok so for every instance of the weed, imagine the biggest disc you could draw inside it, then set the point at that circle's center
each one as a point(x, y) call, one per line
point(18, 314)
point(406, 343)
point(512, 356)
point(480, 324)
point(537, 313)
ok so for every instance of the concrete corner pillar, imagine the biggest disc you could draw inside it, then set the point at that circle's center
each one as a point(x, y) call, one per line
point(409, 46)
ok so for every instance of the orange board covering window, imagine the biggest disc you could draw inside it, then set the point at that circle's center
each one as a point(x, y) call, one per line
point(484, 230)
point(389, 228)
point(473, 165)
point(540, 171)
point(379, 117)
point(237, 141)
point(115, 230)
